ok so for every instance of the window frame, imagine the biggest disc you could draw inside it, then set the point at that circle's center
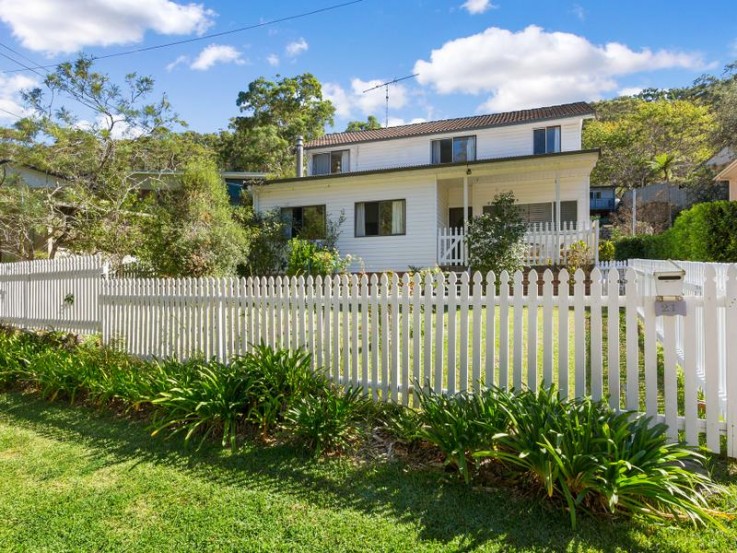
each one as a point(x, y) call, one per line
point(379, 234)
point(344, 152)
point(291, 219)
point(545, 131)
point(452, 140)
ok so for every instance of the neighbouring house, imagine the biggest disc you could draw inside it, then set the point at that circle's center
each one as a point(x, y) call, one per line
point(31, 176)
point(729, 175)
point(407, 192)
point(235, 181)
point(603, 202)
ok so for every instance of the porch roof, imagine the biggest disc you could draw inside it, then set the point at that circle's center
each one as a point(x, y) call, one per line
point(440, 168)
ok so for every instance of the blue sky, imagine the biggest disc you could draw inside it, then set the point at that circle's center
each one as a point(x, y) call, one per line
point(472, 56)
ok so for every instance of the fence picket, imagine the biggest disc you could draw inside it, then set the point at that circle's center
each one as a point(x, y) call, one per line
point(711, 349)
point(597, 364)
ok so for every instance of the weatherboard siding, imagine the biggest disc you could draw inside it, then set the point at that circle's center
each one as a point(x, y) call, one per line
point(497, 142)
point(373, 253)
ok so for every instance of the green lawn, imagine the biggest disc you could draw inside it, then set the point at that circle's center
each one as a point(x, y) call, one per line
point(74, 479)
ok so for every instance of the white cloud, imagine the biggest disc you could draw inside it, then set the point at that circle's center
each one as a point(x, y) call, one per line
point(179, 61)
point(295, 48)
point(477, 6)
point(10, 103)
point(339, 97)
point(397, 121)
point(533, 67)
point(629, 91)
point(216, 53)
point(64, 26)
point(273, 60)
point(373, 102)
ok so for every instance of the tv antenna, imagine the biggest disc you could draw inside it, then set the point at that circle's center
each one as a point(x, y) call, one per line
point(386, 87)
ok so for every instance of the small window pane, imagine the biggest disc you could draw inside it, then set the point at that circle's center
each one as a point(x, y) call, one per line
point(383, 218)
point(539, 141)
point(446, 151)
point(304, 222)
point(460, 149)
point(321, 164)
point(553, 140)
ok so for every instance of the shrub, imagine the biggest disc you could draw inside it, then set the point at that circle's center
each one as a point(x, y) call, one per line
point(579, 257)
point(494, 238)
point(595, 460)
point(606, 250)
point(308, 258)
point(705, 233)
point(210, 400)
point(277, 378)
point(641, 246)
point(200, 398)
point(326, 421)
point(460, 424)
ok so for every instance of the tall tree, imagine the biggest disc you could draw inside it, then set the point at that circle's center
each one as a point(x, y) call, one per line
point(97, 208)
point(371, 123)
point(275, 114)
point(632, 133)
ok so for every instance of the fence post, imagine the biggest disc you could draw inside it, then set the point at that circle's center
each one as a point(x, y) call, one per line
point(731, 364)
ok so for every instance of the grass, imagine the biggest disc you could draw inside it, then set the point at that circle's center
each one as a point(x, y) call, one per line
point(72, 478)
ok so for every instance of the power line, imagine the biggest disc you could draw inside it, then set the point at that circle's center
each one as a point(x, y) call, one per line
point(11, 113)
point(71, 94)
point(204, 37)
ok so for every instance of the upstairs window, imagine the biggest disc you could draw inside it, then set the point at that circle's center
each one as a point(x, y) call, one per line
point(331, 163)
point(547, 140)
point(306, 222)
point(458, 149)
point(384, 218)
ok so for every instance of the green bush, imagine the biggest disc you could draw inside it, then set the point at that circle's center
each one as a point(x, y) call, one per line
point(308, 258)
point(199, 398)
point(641, 246)
point(595, 460)
point(277, 378)
point(326, 421)
point(606, 250)
point(705, 233)
point(460, 424)
point(494, 238)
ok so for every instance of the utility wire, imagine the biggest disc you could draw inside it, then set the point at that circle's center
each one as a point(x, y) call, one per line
point(72, 95)
point(200, 38)
point(11, 113)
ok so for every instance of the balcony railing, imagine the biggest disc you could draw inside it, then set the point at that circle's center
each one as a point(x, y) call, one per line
point(545, 243)
point(602, 204)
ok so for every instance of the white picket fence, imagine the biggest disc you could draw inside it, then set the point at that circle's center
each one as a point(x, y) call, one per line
point(61, 294)
point(544, 243)
point(386, 335)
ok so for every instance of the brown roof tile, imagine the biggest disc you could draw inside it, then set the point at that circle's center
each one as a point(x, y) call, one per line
point(578, 109)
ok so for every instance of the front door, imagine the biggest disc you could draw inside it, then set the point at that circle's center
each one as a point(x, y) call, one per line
point(455, 216)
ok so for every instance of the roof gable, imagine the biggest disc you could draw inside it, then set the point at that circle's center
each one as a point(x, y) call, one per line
point(578, 109)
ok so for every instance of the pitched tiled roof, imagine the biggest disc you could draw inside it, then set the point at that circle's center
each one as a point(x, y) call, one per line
point(578, 109)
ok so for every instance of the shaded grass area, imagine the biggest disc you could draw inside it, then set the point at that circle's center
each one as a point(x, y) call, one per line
point(76, 479)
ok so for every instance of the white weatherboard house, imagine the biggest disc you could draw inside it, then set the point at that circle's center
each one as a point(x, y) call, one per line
point(404, 190)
